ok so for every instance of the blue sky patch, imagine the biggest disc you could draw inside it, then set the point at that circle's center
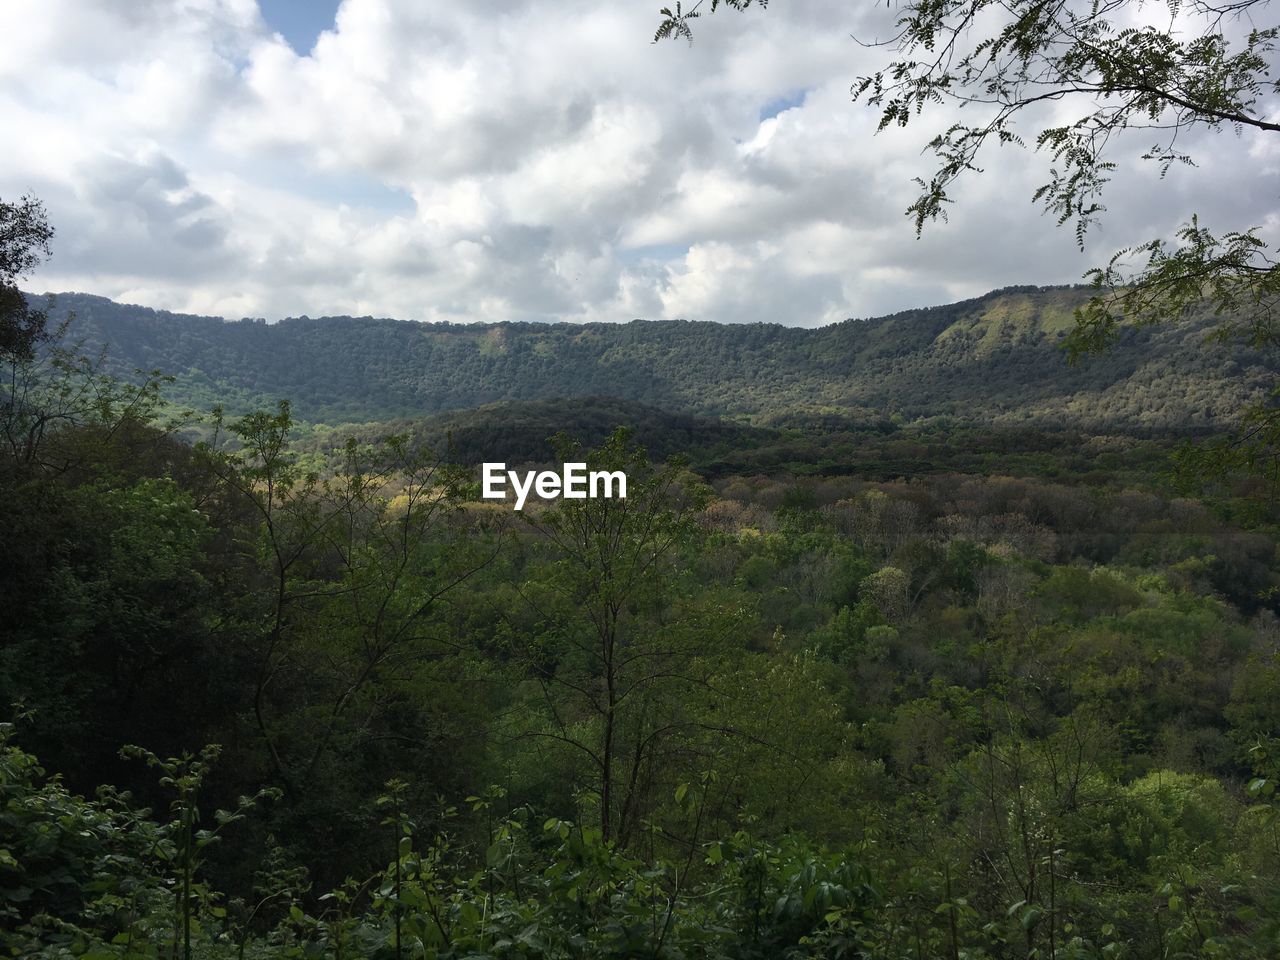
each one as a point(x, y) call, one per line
point(655, 251)
point(777, 106)
point(355, 190)
point(300, 21)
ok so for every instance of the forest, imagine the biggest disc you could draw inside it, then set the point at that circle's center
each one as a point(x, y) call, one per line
point(952, 634)
point(824, 685)
point(998, 359)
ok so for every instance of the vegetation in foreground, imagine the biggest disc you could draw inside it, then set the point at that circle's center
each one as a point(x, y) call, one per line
point(955, 715)
point(351, 711)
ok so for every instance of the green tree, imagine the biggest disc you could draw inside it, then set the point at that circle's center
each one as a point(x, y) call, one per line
point(46, 386)
point(981, 70)
point(624, 639)
point(997, 61)
point(351, 563)
point(24, 242)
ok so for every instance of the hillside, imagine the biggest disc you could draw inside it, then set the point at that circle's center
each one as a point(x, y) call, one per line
point(797, 445)
point(523, 432)
point(992, 359)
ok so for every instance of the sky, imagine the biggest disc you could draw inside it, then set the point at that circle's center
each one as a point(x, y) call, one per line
point(523, 160)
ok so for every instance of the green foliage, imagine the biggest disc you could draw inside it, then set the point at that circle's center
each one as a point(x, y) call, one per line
point(1124, 77)
point(24, 241)
point(848, 637)
point(676, 24)
point(996, 359)
point(1114, 72)
point(952, 692)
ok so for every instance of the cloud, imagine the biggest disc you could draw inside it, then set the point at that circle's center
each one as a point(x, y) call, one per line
point(521, 160)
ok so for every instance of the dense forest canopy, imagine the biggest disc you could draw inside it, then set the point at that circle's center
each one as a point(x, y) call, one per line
point(908, 641)
point(957, 715)
point(831, 685)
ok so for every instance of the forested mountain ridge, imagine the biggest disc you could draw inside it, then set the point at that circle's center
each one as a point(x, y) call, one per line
point(994, 358)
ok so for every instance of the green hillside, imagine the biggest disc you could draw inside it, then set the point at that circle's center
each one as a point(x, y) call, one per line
point(992, 359)
point(523, 432)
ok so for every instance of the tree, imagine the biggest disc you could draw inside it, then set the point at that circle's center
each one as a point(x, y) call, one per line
point(624, 638)
point(1123, 78)
point(1001, 60)
point(676, 23)
point(1207, 68)
point(24, 242)
point(351, 568)
point(56, 389)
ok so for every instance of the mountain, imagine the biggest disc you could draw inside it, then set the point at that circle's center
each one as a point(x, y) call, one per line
point(993, 359)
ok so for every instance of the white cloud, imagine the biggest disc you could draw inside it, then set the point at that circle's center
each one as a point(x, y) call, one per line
point(519, 160)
